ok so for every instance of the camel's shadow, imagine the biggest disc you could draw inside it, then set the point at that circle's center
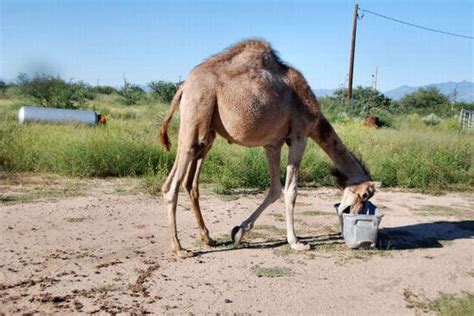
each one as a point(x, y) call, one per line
point(424, 235)
point(313, 241)
point(416, 236)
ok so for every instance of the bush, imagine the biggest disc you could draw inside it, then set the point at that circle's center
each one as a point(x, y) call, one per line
point(465, 105)
point(163, 91)
point(3, 87)
point(425, 101)
point(53, 91)
point(131, 93)
point(107, 90)
point(365, 101)
point(431, 119)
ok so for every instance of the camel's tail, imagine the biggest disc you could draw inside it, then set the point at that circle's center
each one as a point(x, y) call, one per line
point(165, 140)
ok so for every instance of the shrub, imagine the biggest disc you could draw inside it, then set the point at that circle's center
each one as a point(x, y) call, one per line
point(431, 119)
point(53, 91)
point(465, 105)
point(365, 101)
point(104, 90)
point(163, 91)
point(3, 87)
point(131, 93)
point(425, 101)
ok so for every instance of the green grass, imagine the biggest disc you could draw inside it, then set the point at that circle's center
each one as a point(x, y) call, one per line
point(451, 305)
point(41, 189)
point(314, 213)
point(423, 158)
point(445, 304)
point(272, 272)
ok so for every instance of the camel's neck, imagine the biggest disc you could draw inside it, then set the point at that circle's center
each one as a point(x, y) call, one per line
point(351, 170)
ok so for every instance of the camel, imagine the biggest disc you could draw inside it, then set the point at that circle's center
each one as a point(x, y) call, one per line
point(250, 97)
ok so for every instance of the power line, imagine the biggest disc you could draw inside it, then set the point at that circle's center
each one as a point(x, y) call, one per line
point(414, 25)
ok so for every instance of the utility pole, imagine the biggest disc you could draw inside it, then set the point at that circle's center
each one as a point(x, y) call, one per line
point(374, 77)
point(351, 59)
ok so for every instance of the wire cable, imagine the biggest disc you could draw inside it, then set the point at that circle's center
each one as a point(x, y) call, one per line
point(415, 25)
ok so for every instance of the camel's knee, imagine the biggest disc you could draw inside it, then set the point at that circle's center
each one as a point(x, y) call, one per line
point(169, 195)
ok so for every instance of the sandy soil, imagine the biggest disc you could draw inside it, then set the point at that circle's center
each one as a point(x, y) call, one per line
point(104, 248)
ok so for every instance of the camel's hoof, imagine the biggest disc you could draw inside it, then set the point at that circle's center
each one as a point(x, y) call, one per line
point(211, 242)
point(183, 253)
point(299, 246)
point(237, 234)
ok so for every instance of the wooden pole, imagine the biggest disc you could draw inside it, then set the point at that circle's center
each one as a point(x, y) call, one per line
point(351, 58)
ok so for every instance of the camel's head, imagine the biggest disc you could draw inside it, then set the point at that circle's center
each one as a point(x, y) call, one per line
point(355, 196)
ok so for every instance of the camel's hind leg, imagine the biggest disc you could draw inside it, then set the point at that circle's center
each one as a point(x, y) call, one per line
point(273, 157)
point(170, 192)
point(191, 185)
point(194, 141)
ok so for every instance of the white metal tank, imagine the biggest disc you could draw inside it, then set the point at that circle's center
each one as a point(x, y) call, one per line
point(53, 115)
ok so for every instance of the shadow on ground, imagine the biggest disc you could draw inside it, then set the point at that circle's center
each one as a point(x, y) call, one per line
point(424, 235)
point(313, 241)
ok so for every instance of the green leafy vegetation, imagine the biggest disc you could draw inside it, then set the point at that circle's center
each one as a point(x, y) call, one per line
point(410, 154)
point(51, 91)
point(273, 272)
point(131, 93)
point(444, 305)
point(163, 91)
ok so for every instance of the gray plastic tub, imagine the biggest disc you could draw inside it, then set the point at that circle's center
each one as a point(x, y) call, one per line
point(361, 230)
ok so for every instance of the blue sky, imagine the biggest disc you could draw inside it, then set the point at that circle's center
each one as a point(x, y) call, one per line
point(163, 40)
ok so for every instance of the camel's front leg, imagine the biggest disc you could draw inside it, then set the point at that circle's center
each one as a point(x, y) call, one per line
point(273, 157)
point(295, 155)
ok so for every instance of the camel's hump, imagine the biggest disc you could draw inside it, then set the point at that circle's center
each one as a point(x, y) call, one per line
point(255, 46)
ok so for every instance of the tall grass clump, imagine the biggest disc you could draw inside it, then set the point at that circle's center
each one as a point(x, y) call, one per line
point(116, 150)
point(231, 167)
point(414, 154)
point(428, 159)
point(422, 158)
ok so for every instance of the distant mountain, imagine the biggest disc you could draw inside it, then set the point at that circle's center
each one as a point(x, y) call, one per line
point(464, 90)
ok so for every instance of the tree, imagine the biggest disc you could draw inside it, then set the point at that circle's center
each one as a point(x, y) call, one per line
point(163, 91)
point(364, 100)
point(104, 90)
point(131, 93)
point(52, 91)
point(425, 101)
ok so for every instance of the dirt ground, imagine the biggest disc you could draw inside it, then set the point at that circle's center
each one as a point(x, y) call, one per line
point(102, 246)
